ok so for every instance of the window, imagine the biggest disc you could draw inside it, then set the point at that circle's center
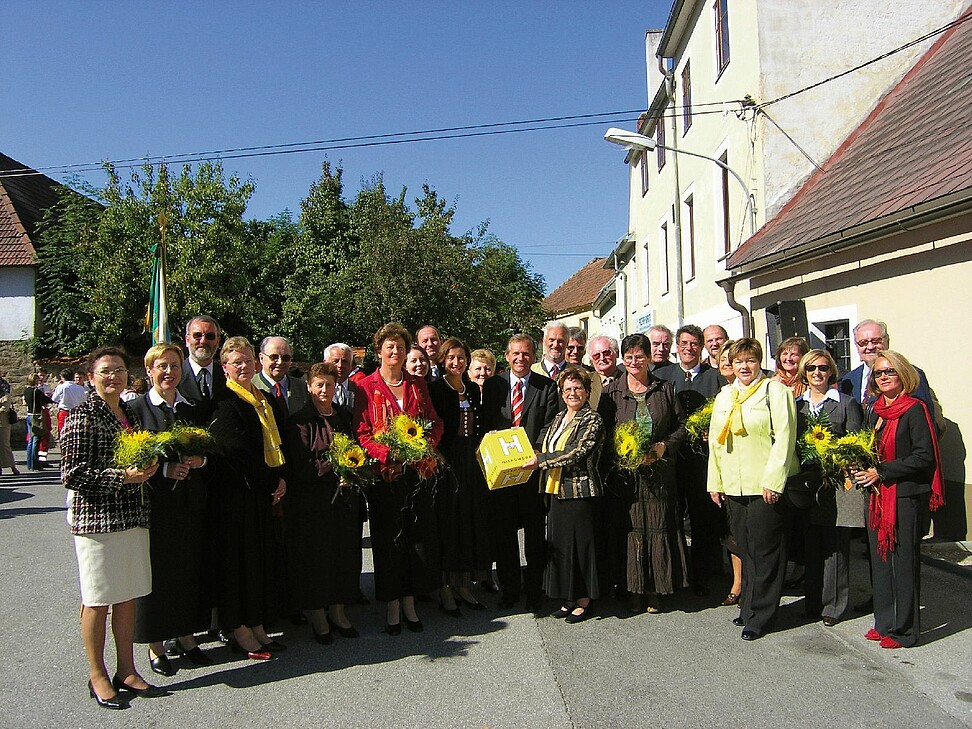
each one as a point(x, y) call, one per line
point(690, 227)
point(583, 324)
point(721, 11)
point(664, 258)
point(660, 140)
point(644, 173)
point(726, 238)
point(686, 97)
point(837, 336)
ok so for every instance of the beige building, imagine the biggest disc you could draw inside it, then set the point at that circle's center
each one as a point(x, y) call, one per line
point(726, 81)
point(884, 230)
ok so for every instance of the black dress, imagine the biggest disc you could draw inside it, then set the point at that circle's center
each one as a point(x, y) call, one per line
point(323, 525)
point(242, 510)
point(180, 602)
point(461, 493)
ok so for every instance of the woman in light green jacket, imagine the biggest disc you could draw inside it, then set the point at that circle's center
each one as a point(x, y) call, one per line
point(752, 439)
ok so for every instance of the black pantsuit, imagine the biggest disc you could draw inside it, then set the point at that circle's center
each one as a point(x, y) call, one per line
point(758, 528)
point(828, 570)
point(896, 582)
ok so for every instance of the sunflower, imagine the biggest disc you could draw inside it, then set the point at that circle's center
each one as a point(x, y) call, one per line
point(354, 457)
point(819, 437)
point(409, 430)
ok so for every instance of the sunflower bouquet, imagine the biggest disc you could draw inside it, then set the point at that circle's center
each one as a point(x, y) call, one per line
point(697, 424)
point(632, 442)
point(855, 451)
point(350, 462)
point(407, 439)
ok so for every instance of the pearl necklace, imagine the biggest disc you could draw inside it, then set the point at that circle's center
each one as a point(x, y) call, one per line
point(393, 384)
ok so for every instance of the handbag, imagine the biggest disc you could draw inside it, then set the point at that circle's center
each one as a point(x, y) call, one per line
point(12, 416)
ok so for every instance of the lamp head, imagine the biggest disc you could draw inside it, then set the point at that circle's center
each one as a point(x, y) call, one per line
point(629, 140)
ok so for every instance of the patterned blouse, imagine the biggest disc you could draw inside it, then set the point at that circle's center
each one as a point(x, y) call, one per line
point(98, 500)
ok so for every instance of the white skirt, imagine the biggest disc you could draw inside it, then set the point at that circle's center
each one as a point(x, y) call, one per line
point(113, 567)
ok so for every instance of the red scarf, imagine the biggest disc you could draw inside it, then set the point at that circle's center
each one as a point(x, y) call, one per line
point(883, 507)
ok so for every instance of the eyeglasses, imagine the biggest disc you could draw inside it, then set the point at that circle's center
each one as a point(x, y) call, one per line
point(572, 390)
point(117, 372)
point(275, 357)
point(873, 342)
point(889, 372)
point(241, 364)
point(208, 336)
point(164, 367)
point(575, 347)
point(689, 345)
point(814, 368)
point(633, 358)
point(602, 355)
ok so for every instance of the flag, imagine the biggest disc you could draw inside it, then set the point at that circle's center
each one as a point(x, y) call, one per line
point(157, 316)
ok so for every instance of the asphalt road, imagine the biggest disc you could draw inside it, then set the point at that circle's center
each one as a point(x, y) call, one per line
point(684, 668)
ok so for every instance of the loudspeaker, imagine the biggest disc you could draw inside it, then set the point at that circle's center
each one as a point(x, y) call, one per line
point(786, 319)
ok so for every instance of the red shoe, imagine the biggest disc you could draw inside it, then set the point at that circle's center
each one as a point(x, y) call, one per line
point(889, 642)
point(872, 634)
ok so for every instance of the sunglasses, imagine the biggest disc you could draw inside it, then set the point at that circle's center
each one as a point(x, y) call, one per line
point(814, 368)
point(275, 357)
point(208, 336)
point(889, 372)
point(873, 342)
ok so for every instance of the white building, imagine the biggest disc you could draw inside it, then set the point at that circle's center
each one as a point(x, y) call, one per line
point(730, 80)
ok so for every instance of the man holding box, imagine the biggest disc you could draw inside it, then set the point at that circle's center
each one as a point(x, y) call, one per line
point(523, 398)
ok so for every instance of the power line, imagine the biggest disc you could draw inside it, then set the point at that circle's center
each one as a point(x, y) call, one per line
point(890, 53)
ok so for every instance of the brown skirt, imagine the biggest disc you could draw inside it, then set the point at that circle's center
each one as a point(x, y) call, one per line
point(656, 543)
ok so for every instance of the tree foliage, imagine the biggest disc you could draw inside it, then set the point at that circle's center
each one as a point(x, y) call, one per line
point(337, 273)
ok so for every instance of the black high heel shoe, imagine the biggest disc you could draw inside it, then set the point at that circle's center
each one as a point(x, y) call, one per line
point(115, 702)
point(471, 604)
point(323, 638)
point(414, 625)
point(451, 612)
point(195, 655)
point(162, 665)
point(349, 632)
point(149, 692)
point(395, 629)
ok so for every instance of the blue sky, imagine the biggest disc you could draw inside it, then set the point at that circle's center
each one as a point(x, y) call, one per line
point(88, 81)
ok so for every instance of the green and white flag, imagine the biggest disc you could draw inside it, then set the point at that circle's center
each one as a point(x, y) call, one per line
point(157, 316)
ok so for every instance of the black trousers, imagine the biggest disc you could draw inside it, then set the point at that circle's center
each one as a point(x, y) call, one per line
point(759, 529)
point(511, 509)
point(705, 517)
point(828, 570)
point(896, 581)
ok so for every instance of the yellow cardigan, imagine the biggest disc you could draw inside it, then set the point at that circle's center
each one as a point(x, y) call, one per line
point(758, 459)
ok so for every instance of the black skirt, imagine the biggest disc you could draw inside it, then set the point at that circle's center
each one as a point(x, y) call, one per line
point(462, 510)
point(571, 552)
point(404, 540)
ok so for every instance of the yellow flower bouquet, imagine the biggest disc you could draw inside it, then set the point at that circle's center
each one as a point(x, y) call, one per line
point(697, 425)
point(183, 440)
point(855, 451)
point(408, 441)
point(136, 449)
point(632, 442)
point(350, 462)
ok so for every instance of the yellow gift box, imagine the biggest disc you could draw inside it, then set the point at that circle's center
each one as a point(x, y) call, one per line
point(501, 455)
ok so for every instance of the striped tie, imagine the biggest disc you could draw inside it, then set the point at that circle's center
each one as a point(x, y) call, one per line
point(517, 403)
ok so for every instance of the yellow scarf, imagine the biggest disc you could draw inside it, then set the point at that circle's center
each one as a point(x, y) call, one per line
point(271, 436)
point(554, 474)
point(734, 423)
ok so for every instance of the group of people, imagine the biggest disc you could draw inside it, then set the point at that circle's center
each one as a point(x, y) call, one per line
point(263, 527)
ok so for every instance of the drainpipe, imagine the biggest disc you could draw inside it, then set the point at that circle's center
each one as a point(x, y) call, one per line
point(679, 290)
point(729, 286)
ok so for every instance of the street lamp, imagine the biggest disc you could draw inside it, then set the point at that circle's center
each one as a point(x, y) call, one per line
point(633, 140)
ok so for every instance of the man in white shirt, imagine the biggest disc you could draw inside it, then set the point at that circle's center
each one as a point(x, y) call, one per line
point(341, 356)
point(555, 337)
point(68, 396)
point(274, 377)
point(429, 339)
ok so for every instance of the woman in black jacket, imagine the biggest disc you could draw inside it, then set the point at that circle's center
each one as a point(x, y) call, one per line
point(907, 478)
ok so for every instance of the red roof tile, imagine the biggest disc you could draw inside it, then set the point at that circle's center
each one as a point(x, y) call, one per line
point(579, 292)
point(23, 200)
point(914, 147)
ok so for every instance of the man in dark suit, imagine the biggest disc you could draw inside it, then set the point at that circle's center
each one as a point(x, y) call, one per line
point(870, 337)
point(274, 377)
point(429, 339)
point(604, 352)
point(202, 376)
point(342, 357)
point(714, 336)
point(520, 507)
point(661, 339)
point(693, 387)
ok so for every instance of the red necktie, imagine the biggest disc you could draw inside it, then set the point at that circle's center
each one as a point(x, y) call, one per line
point(278, 390)
point(517, 403)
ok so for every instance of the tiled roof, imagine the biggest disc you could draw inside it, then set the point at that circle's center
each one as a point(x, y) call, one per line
point(23, 201)
point(579, 291)
point(914, 148)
